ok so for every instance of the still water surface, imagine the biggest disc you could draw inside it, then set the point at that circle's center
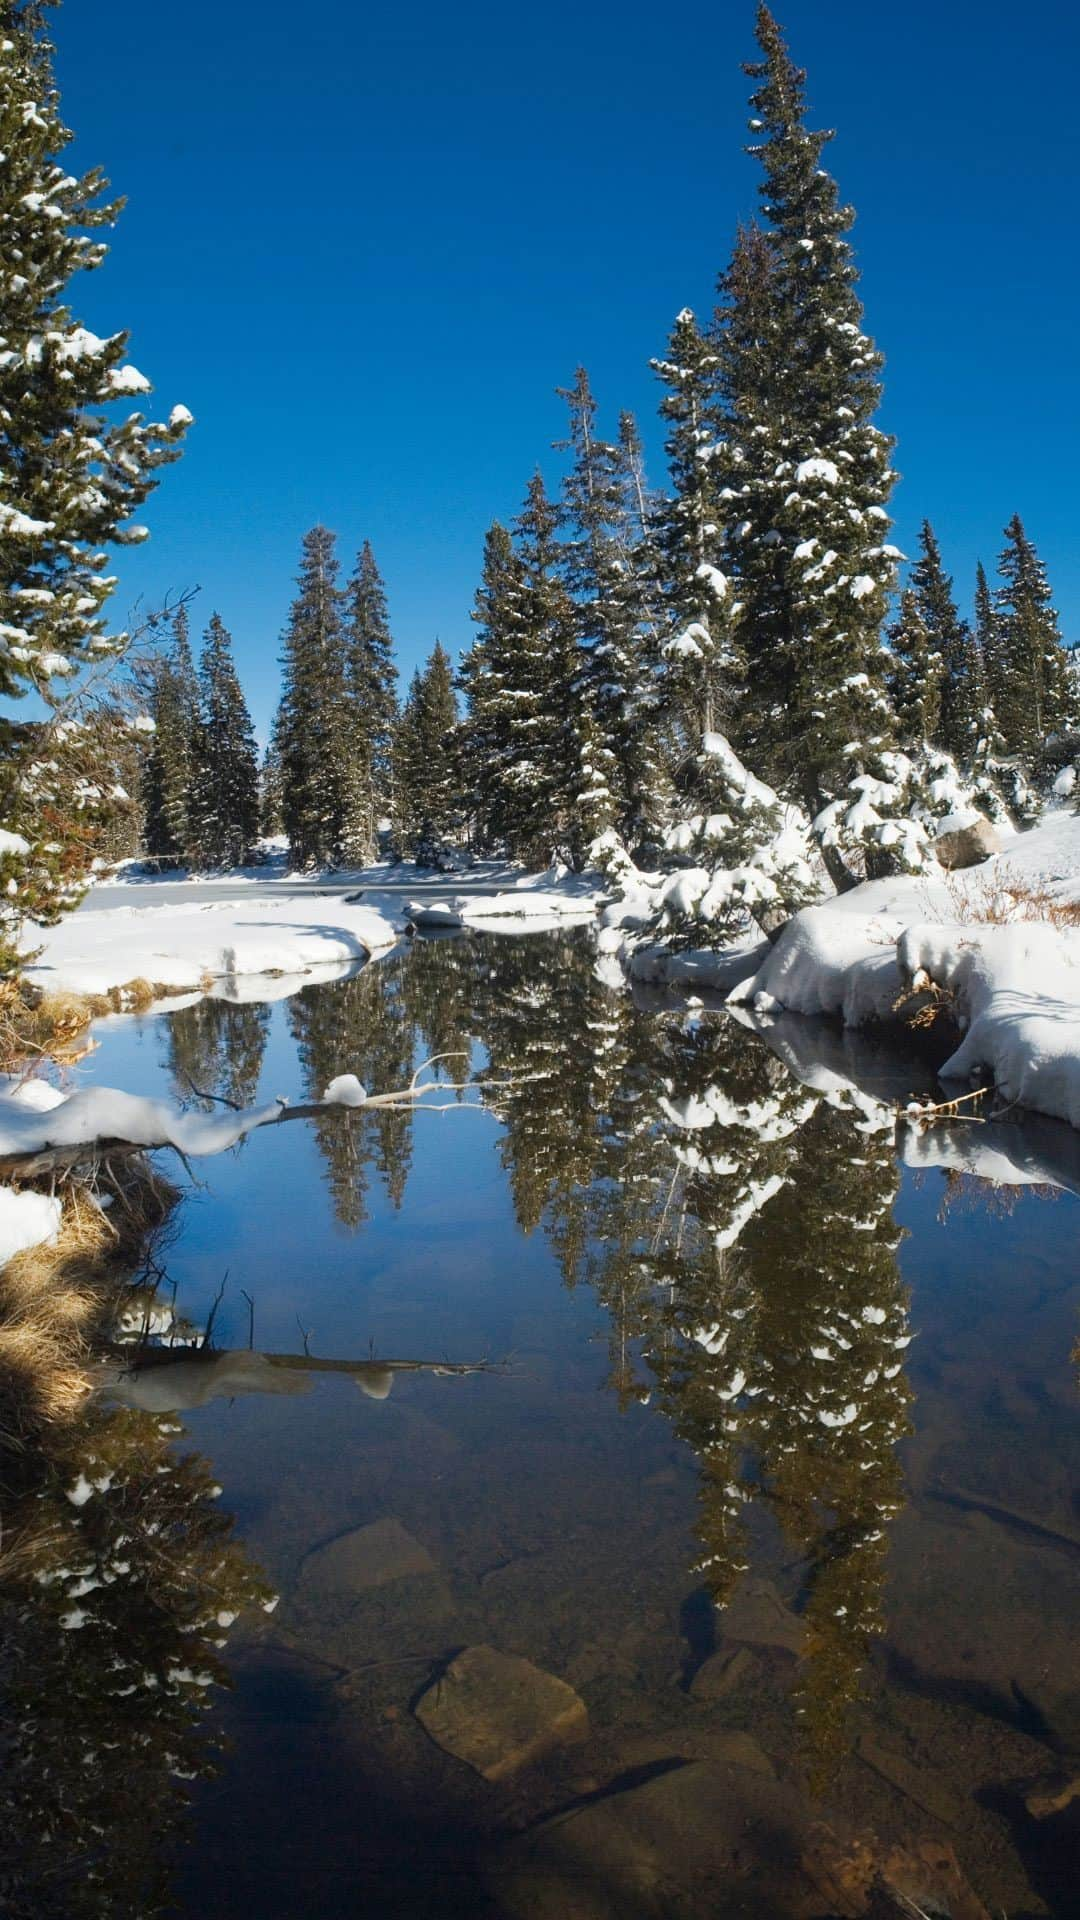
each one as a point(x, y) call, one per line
point(773, 1459)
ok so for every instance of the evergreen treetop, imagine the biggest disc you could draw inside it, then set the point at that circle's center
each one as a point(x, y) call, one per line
point(800, 390)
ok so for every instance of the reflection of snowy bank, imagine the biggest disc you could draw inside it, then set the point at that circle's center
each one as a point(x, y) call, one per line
point(266, 946)
point(877, 1076)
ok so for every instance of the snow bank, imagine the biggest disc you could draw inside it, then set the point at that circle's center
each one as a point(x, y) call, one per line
point(1019, 991)
point(181, 947)
point(1016, 986)
point(26, 1220)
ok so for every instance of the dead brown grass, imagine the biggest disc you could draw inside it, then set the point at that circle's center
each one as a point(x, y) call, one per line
point(1000, 898)
point(54, 1298)
point(38, 1026)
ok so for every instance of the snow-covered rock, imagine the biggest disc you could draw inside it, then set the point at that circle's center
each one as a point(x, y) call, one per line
point(967, 843)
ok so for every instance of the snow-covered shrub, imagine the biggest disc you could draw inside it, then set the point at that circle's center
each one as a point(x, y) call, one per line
point(741, 857)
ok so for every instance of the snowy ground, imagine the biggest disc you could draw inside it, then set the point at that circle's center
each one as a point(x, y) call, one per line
point(258, 924)
point(1016, 980)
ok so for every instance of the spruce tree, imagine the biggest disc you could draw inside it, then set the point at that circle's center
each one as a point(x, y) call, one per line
point(310, 725)
point(74, 473)
point(955, 660)
point(487, 678)
point(809, 520)
point(521, 683)
point(371, 710)
point(224, 802)
point(1029, 675)
point(605, 565)
point(271, 791)
point(426, 758)
point(915, 675)
point(697, 598)
point(174, 708)
point(544, 783)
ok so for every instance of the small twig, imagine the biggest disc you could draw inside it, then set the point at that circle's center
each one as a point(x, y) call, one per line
point(458, 1055)
point(201, 1093)
point(305, 1335)
point(918, 1112)
point(209, 1327)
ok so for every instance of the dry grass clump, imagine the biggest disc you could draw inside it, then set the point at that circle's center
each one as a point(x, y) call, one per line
point(53, 1025)
point(38, 1026)
point(54, 1297)
point(1000, 898)
point(48, 1297)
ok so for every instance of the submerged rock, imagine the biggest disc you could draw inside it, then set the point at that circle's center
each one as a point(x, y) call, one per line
point(367, 1557)
point(757, 1615)
point(721, 1673)
point(920, 1784)
point(692, 1843)
point(498, 1712)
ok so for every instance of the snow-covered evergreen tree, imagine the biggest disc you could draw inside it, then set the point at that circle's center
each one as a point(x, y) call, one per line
point(488, 680)
point(520, 685)
point(697, 646)
point(605, 567)
point(73, 471)
point(741, 857)
point(223, 804)
point(915, 674)
point(1027, 667)
point(271, 793)
point(954, 652)
point(809, 539)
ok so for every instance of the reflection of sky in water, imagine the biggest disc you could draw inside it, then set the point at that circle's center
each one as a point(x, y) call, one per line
point(560, 1522)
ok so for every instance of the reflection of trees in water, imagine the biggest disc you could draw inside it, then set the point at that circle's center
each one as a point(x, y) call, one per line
point(119, 1582)
point(218, 1048)
point(437, 987)
point(558, 1033)
point(359, 1026)
point(736, 1223)
point(738, 1227)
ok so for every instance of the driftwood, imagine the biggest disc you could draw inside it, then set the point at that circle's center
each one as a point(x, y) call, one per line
point(180, 1378)
point(140, 1358)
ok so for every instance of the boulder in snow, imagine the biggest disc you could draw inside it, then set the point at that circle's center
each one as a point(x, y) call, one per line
point(967, 846)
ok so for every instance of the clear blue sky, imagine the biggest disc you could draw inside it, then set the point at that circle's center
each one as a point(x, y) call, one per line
point(365, 245)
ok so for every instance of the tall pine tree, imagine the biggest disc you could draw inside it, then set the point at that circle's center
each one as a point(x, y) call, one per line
point(174, 708)
point(808, 525)
point(488, 680)
point(605, 562)
point(697, 599)
point(310, 723)
point(426, 758)
point(223, 807)
point(1026, 663)
point(370, 693)
point(73, 472)
point(961, 721)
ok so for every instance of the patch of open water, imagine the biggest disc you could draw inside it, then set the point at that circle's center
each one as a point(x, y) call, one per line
point(772, 1461)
